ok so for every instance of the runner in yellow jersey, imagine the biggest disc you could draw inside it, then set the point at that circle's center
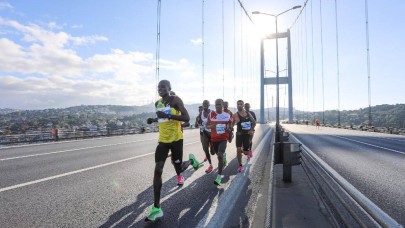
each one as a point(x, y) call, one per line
point(170, 113)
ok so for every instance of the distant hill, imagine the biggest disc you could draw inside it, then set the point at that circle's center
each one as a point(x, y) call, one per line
point(118, 116)
point(382, 116)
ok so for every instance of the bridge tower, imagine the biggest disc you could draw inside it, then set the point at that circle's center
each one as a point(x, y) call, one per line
point(273, 81)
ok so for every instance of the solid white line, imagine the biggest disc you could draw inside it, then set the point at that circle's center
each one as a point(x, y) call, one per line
point(368, 144)
point(58, 142)
point(70, 173)
point(64, 151)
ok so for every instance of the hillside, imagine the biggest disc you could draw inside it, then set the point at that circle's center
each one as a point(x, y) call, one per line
point(117, 116)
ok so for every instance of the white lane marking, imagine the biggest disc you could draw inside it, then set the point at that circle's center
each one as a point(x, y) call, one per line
point(76, 171)
point(64, 151)
point(59, 142)
point(368, 144)
point(70, 173)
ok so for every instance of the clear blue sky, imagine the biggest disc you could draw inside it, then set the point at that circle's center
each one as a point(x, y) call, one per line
point(57, 54)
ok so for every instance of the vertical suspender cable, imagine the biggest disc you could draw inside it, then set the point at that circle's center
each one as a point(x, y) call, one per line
point(302, 70)
point(203, 49)
point(157, 47)
point(247, 58)
point(223, 51)
point(323, 85)
point(313, 64)
point(241, 49)
point(234, 52)
point(368, 67)
point(306, 61)
point(337, 61)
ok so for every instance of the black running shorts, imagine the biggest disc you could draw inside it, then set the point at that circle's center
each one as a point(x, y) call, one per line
point(242, 140)
point(162, 150)
point(219, 147)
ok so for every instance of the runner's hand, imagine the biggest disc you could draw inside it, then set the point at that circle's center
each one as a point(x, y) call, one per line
point(149, 120)
point(161, 114)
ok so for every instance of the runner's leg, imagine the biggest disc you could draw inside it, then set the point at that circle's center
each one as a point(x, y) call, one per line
point(160, 157)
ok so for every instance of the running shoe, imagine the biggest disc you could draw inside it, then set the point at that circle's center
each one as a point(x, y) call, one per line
point(194, 161)
point(240, 169)
point(218, 180)
point(154, 214)
point(225, 161)
point(250, 154)
point(180, 180)
point(209, 169)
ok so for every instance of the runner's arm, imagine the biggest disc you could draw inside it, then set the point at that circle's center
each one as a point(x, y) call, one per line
point(178, 104)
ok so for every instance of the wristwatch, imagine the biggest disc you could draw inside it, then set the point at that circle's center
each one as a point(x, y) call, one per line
point(169, 116)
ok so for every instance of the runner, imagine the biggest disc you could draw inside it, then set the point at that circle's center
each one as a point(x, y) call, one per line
point(318, 123)
point(245, 127)
point(226, 105)
point(247, 108)
point(170, 113)
point(205, 134)
point(219, 122)
point(198, 124)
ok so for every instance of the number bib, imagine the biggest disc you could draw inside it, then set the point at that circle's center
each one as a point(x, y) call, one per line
point(246, 125)
point(202, 127)
point(220, 128)
point(167, 111)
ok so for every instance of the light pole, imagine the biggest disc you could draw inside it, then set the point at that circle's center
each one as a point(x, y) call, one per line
point(277, 70)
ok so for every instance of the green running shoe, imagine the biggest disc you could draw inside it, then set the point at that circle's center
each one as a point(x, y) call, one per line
point(218, 180)
point(194, 163)
point(154, 214)
point(225, 161)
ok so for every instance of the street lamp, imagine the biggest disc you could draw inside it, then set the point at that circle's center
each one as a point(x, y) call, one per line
point(277, 71)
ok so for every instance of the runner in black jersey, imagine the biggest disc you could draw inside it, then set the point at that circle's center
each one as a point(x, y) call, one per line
point(247, 108)
point(245, 127)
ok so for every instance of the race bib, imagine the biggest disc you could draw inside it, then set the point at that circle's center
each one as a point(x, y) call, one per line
point(220, 128)
point(246, 125)
point(202, 127)
point(167, 111)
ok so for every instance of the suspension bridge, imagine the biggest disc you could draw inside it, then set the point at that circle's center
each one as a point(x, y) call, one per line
point(300, 65)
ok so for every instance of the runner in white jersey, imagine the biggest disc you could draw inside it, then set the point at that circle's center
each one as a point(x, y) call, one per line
point(205, 133)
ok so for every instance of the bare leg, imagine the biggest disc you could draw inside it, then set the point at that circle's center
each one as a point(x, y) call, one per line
point(157, 182)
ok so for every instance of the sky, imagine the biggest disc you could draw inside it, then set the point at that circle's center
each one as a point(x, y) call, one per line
point(57, 54)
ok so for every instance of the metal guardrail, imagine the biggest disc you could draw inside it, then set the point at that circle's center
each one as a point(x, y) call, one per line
point(344, 189)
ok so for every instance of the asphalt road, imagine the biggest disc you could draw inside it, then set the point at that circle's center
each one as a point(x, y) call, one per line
point(107, 182)
point(374, 163)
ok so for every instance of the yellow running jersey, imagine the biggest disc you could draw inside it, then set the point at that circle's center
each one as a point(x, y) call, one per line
point(169, 130)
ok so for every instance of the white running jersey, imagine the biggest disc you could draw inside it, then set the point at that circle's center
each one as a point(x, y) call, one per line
point(204, 121)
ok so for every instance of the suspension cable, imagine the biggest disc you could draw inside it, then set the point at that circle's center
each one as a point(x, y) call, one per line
point(313, 64)
point(368, 66)
point(157, 46)
point(203, 48)
point(306, 62)
point(302, 70)
point(223, 51)
point(241, 49)
point(337, 61)
point(323, 85)
point(234, 47)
